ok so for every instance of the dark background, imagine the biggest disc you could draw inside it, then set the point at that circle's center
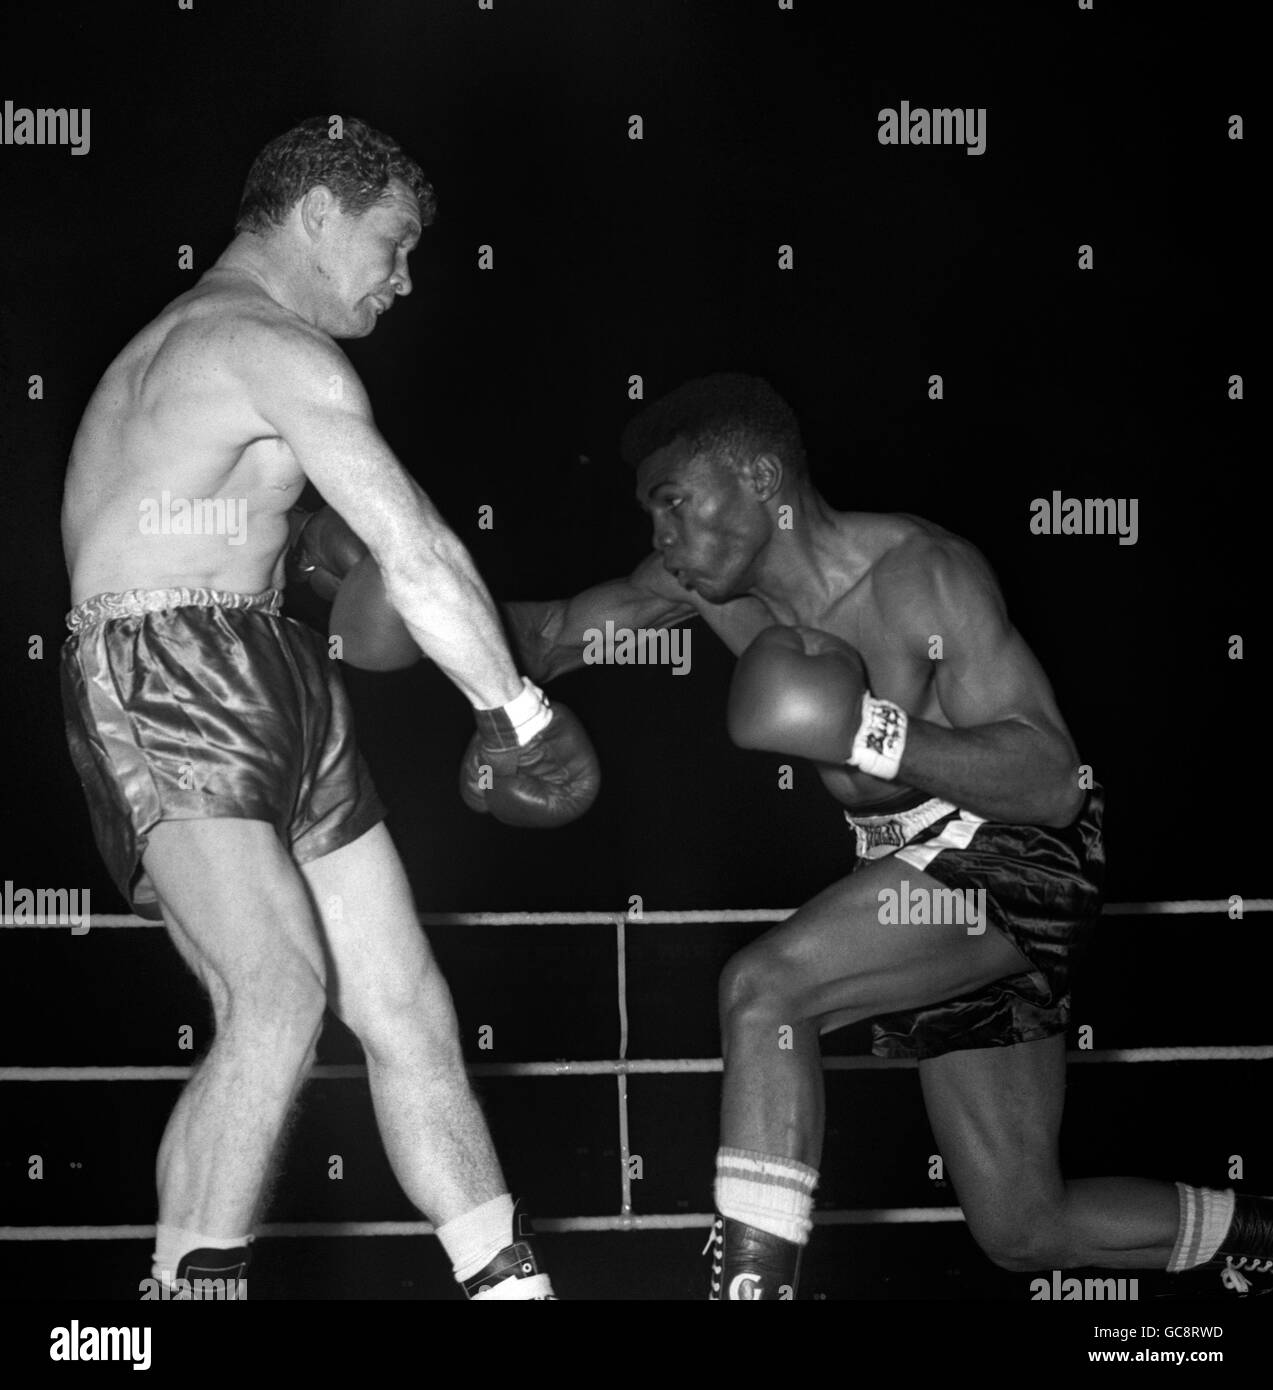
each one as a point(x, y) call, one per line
point(509, 389)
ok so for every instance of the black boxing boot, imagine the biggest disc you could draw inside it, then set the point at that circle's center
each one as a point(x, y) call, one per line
point(213, 1274)
point(513, 1274)
point(1245, 1257)
point(1243, 1262)
point(748, 1264)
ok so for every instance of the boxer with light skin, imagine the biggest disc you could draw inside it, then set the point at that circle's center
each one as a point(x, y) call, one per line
point(213, 735)
point(955, 769)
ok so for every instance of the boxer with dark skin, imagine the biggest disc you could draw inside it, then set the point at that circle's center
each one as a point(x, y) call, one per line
point(264, 847)
point(829, 611)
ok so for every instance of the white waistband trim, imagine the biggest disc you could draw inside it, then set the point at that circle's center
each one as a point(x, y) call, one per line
point(879, 836)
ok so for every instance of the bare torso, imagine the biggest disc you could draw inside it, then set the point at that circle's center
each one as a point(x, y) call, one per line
point(900, 548)
point(171, 448)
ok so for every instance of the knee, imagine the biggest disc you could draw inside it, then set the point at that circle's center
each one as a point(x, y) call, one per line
point(755, 989)
point(1022, 1240)
point(389, 1016)
point(280, 1009)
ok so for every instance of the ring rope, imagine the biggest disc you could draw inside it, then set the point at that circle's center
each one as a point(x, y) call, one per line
point(679, 1221)
point(623, 1067)
point(689, 917)
point(620, 1067)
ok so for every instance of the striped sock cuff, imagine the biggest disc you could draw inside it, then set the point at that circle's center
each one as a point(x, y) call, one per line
point(772, 1194)
point(1205, 1217)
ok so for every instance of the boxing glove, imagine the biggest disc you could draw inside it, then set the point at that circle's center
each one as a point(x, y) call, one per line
point(803, 692)
point(322, 549)
point(372, 633)
point(530, 764)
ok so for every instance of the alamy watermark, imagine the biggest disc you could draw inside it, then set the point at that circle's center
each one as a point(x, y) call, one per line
point(1086, 516)
point(88, 1343)
point(642, 646)
point(1060, 1289)
point(46, 125)
point(45, 907)
point(959, 125)
point(193, 1290)
point(905, 906)
point(167, 515)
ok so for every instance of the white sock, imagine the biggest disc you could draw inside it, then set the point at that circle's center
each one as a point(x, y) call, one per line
point(772, 1194)
point(1206, 1214)
point(172, 1243)
point(473, 1240)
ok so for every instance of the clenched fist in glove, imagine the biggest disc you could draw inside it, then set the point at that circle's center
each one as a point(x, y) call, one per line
point(530, 763)
point(322, 549)
point(802, 691)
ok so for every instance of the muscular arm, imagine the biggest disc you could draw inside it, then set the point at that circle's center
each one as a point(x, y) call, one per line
point(549, 634)
point(304, 388)
point(1008, 756)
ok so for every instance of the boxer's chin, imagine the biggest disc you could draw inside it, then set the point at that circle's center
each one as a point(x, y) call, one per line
point(711, 591)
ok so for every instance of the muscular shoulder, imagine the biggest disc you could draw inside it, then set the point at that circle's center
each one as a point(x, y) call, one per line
point(272, 349)
point(930, 581)
point(238, 335)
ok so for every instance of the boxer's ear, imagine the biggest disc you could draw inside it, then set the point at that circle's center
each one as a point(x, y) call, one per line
point(763, 474)
point(315, 207)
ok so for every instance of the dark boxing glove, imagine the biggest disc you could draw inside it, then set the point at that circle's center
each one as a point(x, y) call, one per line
point(530, 763)
point(803, 692)
point(322, 549)
point(373, 634)
point(325, 552)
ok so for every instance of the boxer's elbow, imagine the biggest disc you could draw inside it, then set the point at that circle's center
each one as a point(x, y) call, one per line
point(436, 577)
point(1063, 798)
point(410, 569)
point(1069, 803)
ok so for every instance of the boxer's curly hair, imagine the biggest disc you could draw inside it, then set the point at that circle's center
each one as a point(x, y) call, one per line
point(356, 164)
point(726, 414)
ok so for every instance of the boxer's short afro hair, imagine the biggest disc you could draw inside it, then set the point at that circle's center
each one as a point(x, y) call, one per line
point(356, 166)
point(728, 415)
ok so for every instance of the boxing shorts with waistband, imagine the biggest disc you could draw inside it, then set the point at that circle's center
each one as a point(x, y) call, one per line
point(1043, 890)
point(198, 704)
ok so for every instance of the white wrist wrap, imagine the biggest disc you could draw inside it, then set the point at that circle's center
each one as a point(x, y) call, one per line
point(529, 713)
point(880, 739)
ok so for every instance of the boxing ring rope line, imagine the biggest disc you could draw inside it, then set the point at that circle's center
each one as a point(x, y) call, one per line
point(689, 917)
point(551, 1225)
point(620, 1068)
point(624, 1067)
